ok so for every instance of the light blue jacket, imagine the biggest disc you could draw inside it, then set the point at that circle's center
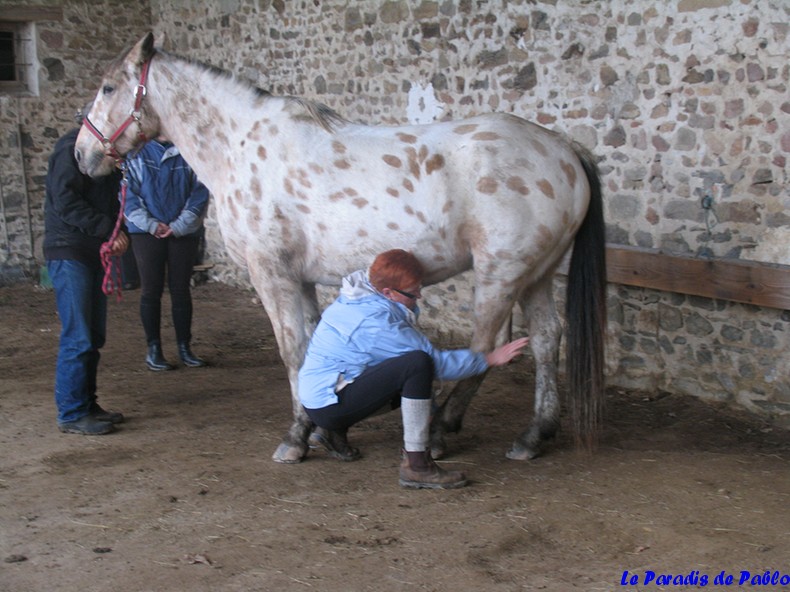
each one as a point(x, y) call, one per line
point(362, 328)
point(163, 188)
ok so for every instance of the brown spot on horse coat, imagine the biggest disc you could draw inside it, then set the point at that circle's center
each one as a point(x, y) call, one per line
point(546, 187)
point(434, 163)
point(342, 164)
point(316, 168)
point(569, 171)
point(540, 148)
point(467, 128)
point(407, 138)
point(392, 160)
point(392, 226)
point(362, 232)
point(517, 184)
point(360, 202)
point(393, 192)
point(414, 164)
point(339, 147)
point(303, 208)
point(545, 236)
point(408, 185)
point(486, 136)
point(487, 185)
point(262, 152)
point(254, 219)
point(337, 196)
point(303, 178)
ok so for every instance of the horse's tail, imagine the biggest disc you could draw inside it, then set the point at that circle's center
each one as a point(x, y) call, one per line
point(585, 310)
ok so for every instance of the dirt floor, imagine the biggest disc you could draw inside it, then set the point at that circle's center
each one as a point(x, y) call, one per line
point(185, 495)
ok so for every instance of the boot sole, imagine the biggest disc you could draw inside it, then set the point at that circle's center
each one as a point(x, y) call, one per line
point(68, 430)
point(425, 485)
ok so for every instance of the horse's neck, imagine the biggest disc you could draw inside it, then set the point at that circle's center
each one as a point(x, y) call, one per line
point(203, 114)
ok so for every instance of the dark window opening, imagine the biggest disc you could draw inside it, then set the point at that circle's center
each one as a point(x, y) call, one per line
point(8, 70)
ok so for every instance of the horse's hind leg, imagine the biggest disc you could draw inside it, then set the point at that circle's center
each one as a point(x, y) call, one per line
point(545, 330)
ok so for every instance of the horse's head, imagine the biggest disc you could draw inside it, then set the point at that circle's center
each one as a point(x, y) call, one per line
point(120, 117)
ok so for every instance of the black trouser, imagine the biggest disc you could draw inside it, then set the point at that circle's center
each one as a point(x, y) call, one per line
point(409, 375)
point(158, 258)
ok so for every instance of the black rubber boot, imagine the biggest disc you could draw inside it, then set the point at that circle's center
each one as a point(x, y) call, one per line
point(335, 443)
point(155, 359)
point(188, 358)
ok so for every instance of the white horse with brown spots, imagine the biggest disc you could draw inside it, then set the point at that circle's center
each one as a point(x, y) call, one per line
point(304, 197)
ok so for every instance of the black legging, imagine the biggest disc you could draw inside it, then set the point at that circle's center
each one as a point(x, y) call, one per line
point(409, 375)
point(175, 258)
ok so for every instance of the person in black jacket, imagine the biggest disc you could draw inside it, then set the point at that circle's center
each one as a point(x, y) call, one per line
point(79, 216)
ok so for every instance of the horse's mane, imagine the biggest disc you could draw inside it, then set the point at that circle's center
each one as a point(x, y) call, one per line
point(300, 109)
point(304, 109)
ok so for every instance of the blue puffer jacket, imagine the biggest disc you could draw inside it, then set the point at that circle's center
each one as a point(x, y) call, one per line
point(362, 328)
point(162, 188)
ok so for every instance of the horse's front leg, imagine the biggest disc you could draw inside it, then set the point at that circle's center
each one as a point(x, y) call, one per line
point(545, 331)
point(492, 308)
point(449, 416)
point(292, 308)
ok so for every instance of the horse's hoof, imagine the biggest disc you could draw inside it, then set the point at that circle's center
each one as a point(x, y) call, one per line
point(288, 455)
point(518, 452)
point(438, 449)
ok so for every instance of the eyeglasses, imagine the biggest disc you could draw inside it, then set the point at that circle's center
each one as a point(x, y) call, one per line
point(406, 294)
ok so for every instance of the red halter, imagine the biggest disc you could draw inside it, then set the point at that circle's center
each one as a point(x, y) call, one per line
point(112, 271)
point(134, 116)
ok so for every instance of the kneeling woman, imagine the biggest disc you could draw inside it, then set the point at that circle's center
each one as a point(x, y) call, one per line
point(367, 354)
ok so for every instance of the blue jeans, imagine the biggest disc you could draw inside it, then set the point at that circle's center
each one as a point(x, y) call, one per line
point(82, 307)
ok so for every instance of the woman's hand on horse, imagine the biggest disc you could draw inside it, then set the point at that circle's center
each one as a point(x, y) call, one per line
point(505, 353)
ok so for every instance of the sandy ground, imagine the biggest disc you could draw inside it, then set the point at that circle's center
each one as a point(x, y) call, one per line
point(185, 497)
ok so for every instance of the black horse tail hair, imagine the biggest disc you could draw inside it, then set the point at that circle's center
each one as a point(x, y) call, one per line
point(585, 309)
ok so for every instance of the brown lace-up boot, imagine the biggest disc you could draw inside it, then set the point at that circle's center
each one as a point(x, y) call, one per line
point(419, 471)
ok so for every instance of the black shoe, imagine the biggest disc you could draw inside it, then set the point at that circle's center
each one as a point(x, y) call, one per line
point(87, 426)
point(335, 443)
point(100, 414)
point(155, 359)
point(189, 359)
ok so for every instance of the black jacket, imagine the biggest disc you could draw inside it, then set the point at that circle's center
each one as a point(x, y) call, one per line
point(79, 212)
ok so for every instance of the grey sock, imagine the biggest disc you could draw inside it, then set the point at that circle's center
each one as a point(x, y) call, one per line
point(416, 423)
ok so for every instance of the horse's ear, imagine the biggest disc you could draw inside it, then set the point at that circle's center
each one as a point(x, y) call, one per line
point(161, 41)
point(143, 50)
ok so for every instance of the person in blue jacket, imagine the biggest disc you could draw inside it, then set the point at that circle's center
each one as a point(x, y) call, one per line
point(165, 207)
point(80, 214)
point(367, 355)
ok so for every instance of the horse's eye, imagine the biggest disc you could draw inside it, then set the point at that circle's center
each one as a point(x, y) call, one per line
point(107, 89)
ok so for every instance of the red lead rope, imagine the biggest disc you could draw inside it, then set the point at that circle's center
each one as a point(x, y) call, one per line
point(112, 264)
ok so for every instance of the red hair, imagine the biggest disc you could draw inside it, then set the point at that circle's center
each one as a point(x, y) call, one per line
point(396, 269)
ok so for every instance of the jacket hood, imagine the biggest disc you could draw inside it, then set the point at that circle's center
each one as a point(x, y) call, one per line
point(357, 285)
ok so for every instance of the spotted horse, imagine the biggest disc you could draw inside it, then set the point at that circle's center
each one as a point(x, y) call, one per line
point(303, 197)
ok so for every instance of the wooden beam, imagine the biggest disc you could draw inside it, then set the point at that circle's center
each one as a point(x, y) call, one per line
point(25, 13)
point(751, 282)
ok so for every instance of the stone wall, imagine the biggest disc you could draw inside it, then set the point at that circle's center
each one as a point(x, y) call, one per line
point(72, 53)
point(684, 101)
